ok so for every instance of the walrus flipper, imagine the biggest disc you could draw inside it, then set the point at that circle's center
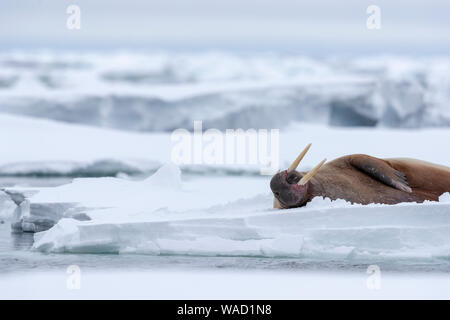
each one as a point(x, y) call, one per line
point(381, 171)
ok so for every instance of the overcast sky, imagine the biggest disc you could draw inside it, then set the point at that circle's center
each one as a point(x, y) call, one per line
point(315, 27)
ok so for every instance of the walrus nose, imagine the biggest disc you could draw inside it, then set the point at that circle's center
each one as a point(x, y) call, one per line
point(276, 184)
point(283, 185)
point(277, 181)
point(286, 189)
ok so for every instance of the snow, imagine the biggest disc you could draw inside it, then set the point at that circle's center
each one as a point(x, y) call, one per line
point(124, 200)
point(163, 189)
point(221, 285)
point(51, 146)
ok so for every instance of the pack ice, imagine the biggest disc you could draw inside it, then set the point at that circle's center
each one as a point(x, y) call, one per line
point(226, 90)
point(164, 215)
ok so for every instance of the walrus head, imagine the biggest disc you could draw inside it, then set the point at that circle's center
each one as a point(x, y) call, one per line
point(290, 187)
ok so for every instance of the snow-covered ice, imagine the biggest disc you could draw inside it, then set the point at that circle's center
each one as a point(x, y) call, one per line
point(180, 221)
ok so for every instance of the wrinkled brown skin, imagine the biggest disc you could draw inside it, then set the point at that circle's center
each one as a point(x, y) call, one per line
point(364, 179)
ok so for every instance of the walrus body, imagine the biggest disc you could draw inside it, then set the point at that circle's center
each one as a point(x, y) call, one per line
point(363, 179)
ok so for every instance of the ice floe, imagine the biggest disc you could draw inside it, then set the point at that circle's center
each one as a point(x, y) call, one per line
point(162, 215)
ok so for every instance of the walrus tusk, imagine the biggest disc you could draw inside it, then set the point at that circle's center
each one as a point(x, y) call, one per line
point(296, 162)
point(310, 174)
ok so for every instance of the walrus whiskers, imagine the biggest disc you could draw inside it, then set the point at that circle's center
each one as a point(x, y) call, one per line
point(296, 162)
point(310, 174)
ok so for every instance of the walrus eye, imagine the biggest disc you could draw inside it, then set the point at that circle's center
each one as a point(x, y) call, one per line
point(292, 178)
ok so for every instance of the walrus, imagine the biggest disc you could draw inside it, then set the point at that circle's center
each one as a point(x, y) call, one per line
point(362, 179)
